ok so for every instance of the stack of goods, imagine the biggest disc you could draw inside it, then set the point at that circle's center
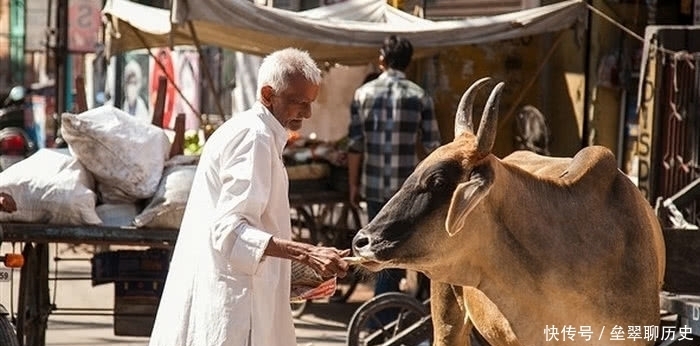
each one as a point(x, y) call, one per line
point(311, 163)
point(117, 172)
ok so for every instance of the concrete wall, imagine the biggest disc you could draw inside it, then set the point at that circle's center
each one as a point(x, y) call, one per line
point(557, 91)
point(331, 111)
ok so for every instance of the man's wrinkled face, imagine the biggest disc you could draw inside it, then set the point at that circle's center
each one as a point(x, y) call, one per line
point(291, 105)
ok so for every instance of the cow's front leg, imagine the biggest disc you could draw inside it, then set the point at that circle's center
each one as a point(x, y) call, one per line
point(450, 325)
point(488, 319)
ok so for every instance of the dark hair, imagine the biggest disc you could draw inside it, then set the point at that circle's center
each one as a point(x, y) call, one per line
point(370, 77)
point(397, 52)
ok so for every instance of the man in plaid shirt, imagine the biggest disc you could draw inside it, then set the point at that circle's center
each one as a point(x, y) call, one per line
point(388, 116)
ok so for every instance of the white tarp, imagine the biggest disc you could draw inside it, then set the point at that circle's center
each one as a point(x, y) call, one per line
point(244, 95)
point(346, 35)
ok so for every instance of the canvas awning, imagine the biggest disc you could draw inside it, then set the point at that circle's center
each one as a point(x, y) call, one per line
point(346, 33)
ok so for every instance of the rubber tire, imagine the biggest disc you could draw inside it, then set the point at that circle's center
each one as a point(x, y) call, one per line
point(8, 337)
point(346, 287)
point(298, 308)
point(370, 308)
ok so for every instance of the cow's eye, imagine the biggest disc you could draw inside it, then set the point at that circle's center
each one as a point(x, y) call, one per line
point(436, 181)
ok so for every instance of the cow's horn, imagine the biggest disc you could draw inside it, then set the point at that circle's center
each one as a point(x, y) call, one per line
point(486, 135)
point(463, 118)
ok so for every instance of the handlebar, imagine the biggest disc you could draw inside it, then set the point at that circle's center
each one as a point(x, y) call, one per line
point(12, 260)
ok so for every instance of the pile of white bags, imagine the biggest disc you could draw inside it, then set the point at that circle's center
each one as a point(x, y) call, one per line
point(167, 206)
point(125, 155)
point(50, 187)
point(116, 165)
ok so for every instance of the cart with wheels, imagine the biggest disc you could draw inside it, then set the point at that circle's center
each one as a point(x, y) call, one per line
point(323, 216)
point(34, 302)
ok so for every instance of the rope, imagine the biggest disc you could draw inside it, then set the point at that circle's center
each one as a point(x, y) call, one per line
point(532, 80)
point(630, 31)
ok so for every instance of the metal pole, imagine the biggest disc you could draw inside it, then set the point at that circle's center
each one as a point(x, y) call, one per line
point(585, 130)
point(61, 51)
point(60, 55)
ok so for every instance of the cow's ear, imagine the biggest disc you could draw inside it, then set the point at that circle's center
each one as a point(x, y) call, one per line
point(467, 196)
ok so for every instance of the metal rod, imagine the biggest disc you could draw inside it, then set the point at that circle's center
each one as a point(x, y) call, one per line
point(73, 259)
point(585, 126)
point(60, 57)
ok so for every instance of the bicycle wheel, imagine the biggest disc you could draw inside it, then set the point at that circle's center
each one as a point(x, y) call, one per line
point(298, 308)
point(8, 337)
point(367, 328)
point(304, 225)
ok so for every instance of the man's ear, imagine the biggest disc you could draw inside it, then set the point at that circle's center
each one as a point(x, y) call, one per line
point(467, 196)
point(266, 94)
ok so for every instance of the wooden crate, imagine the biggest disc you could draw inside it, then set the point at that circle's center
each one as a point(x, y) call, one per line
point(138, 276)
point(682, 267)
point(135, 306)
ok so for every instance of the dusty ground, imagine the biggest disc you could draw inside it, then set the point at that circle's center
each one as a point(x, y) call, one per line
point(322, 324)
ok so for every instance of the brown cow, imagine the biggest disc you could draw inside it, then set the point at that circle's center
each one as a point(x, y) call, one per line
point(525, 247)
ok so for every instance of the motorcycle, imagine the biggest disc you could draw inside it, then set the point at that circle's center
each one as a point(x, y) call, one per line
point(8, 334)
point(15, 142)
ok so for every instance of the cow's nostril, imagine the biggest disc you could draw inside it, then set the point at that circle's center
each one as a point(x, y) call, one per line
point(361, 240)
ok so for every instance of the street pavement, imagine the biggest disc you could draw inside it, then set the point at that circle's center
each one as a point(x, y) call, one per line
point(322, 324)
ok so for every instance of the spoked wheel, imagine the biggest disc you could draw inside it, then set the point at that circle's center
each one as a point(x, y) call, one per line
point(345, 287)
point(304, 225)
point(390, 317)
point(298, 308)
point(337, 224)
point(8, 336)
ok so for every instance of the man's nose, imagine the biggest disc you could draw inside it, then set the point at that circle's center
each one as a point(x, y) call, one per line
point(306, 114)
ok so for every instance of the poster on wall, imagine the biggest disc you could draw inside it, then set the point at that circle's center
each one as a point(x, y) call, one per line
point(162, 66)
point(135, 86)
point(187, 70)
point(85, 23)
point(182, 64)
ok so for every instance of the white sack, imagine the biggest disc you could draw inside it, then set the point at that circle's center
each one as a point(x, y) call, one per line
point(50, 187)
point(117, 215)
point(167, 207)
point(122, 152)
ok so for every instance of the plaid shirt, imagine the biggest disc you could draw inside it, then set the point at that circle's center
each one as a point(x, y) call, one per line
point(386, 117)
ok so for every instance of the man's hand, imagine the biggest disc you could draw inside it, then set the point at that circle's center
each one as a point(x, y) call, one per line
point(327, 261)
point(7, 204)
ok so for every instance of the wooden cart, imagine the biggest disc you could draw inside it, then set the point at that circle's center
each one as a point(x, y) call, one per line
point(309, 210)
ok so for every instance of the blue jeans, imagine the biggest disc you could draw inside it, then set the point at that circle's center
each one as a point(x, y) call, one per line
point(388, 279)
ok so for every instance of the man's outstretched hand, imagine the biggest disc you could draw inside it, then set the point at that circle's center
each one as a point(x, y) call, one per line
point(327, 261)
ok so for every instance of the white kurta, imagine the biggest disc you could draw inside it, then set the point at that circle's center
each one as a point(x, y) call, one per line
point(220, 290)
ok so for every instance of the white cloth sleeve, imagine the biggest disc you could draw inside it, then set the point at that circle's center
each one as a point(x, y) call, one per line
point(246, 174)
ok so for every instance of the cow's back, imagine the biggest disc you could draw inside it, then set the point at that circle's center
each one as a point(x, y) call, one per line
point(623, 251)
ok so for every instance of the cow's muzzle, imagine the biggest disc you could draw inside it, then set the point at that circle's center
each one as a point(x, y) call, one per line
point(361, 245)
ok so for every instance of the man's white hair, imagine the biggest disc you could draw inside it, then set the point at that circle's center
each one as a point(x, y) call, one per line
point(277, 68)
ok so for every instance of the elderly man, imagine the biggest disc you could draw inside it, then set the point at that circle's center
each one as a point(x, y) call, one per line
point(229, 279)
